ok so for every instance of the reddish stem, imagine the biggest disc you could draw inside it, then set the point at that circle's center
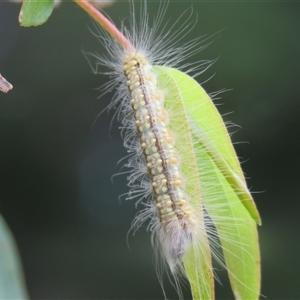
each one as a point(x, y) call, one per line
point(105, 23)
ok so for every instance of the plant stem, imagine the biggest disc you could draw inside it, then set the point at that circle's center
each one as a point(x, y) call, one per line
point(105, 23)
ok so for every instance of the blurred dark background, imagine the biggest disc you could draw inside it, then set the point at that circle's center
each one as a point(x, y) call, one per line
point(57, 158)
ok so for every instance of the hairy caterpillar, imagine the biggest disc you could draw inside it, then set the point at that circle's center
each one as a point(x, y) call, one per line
point(167, 149)
point(174, 218)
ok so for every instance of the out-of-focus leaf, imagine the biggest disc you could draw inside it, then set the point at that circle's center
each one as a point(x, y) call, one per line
point(12, 283)
point(35, 12)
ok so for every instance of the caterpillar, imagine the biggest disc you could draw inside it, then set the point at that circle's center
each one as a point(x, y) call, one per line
point(189, 218)
point(174, 214)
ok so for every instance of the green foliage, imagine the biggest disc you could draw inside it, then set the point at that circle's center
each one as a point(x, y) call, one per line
point(223, 190)
point(35, 12)
point(12, 284)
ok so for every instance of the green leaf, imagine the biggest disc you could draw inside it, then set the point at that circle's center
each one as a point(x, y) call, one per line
point(35, 12)
point(236, 229)
point(212, 134)
point(12, 284)
point(198, 263)
point(223, 191)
